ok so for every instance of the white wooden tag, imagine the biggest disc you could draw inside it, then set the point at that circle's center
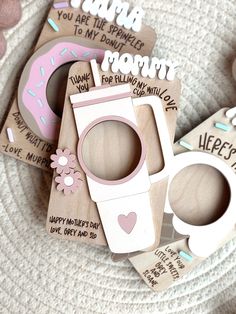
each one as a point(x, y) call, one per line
point(145, 66)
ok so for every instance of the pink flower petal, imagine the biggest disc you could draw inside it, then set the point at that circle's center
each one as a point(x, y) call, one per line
point(67, 152)
point(60, 187)
point(77, 175)
point(54, 157)
point(72, 157)
point(58, 179)
point(71, 165)
point(54, 165)
point(59, 152)
point(66, 169)
point(59, 169)
point(67, 191)
point(74, 188)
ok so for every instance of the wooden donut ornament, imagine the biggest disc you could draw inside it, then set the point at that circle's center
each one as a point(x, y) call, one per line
point(32, 92)
point(81, 27)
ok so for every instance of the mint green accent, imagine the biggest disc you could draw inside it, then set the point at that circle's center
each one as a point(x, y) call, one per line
point(53, 25)
point(186, 256)
point(222, 126)
point(185, 145)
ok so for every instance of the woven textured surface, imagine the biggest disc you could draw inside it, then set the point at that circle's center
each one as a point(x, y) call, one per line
point(10, 14)
point(41, 275)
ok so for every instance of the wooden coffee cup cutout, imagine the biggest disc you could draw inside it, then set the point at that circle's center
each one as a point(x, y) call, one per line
point(205, 239)
point(32, 92)
point(124, 205)
point(79, 205)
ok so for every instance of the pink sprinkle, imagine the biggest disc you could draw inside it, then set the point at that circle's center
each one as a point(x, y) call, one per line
point(60, 5)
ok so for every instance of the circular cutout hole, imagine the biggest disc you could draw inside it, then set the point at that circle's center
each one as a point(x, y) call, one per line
point(111, 150)
point(56, 88)
point(199, 195)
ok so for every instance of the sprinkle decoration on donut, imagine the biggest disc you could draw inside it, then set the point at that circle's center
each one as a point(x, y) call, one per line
point(32, 93)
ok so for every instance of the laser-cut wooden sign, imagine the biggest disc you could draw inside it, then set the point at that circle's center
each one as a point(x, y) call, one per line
point(81, 31)
point(77, 211)
point(178, 253)
point(123, 203)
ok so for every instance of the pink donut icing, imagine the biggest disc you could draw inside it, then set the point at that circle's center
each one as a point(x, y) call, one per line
point(34, 95)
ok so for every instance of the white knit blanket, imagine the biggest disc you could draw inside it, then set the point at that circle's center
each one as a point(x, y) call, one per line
point(39, 274)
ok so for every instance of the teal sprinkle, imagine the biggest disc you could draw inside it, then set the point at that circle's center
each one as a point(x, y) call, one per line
point(185, 145)
point(74, 54)
point(42, 71)
point(40, 103)
point(86, 54)
point(39, 84)
point(52, 61)
point(31, 93)
point(186, 256)
point(63, 51)
point(53, 25)
point(222, 126)
point(43, 120)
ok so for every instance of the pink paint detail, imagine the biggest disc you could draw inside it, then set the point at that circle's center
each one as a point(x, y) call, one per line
point(61, 5)
point(102, 100)
point(80, 148)
point(99, 87)
point(63, 168)
point(127, 223)
point(52, 128)
point(77, 182)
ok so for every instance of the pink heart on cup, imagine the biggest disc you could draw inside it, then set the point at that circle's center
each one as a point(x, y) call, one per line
point(127, 223)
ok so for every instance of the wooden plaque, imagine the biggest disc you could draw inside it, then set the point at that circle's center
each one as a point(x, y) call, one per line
point(79, 205)
point(29, 147)
point(199, 195)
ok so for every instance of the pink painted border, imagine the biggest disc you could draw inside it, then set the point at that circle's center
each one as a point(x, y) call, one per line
point(99, 87)
point(80, 155)
point(101, 100)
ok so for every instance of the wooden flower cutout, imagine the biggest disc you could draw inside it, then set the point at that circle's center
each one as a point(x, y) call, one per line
point(69, 182)
point(63, 161)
